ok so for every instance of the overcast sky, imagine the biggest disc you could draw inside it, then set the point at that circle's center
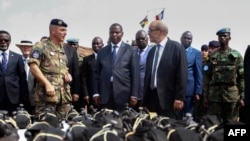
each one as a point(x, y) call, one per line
point(29, 19)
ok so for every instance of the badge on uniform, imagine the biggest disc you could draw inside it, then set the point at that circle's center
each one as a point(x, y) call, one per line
point(52, 53)
point(35, 54)
point(205, 68)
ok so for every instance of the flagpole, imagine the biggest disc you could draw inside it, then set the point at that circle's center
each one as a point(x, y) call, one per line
point(145, 20)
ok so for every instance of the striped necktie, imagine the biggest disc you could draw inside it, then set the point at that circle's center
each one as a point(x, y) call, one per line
point(4, 61)
point(114, 54)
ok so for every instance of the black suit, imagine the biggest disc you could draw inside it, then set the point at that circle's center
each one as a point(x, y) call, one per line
point(125, 72)
point(13, 84)
point(73, 66)
point(245, 111)
point(87, 76)
point(171, 79)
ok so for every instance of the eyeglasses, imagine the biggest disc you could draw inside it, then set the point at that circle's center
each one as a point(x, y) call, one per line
point(152, 30)
point(5, 40)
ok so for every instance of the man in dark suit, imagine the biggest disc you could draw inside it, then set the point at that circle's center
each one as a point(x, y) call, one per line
point(166, 73)
point(194, 83)
point(87, 70)
point(75, 85)
point(116, 73)
point(143, 48)
point(245, 111)
point(13, 84)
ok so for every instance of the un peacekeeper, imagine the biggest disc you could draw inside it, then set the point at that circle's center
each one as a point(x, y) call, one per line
point(74, 42)
point(48, 65)
point(224, 88)
point(200, 110)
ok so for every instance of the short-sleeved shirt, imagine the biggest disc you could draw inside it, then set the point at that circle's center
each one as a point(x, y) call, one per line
point(52, 62)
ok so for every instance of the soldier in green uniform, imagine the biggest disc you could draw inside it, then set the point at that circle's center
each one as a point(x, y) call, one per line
point(48, 65)
point(224, 85)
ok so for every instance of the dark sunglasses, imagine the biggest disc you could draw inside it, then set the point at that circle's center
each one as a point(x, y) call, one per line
point(5, 40)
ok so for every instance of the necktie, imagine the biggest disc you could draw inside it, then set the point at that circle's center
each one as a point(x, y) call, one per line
point(114, 54)
point(140, 51)
point(4, 61)
point(153, 76)
point(26, 67)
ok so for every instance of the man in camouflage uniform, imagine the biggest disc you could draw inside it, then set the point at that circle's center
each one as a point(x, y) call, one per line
point(48, 65)
point(224, 85)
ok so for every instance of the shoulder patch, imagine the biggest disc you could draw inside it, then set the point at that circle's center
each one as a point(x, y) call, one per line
point(36, 54)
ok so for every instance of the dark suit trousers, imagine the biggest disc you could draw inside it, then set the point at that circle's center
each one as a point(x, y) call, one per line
point(153, 105)
point(111, 103)
point(138, 105)
point(5, 104)
point(188, 107)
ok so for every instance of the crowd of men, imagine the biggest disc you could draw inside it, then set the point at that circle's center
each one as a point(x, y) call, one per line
point(168, 77)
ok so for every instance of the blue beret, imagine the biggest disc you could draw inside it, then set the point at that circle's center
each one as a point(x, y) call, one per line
point(72, 40)
point(204, 47)
point(214, 44)
point(58, 22)
point(223, 30)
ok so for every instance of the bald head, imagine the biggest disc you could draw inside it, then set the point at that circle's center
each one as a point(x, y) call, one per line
point(97, 44)
point(160, 25)
point(141, 38)
point(157, 31)
point(186, 39)
point(141, 32)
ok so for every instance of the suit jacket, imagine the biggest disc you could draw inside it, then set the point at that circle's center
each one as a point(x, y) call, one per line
point(247, 75)
point(142, 69)
point(13, 83)
point(73, 66)
point(125, 74)
point(171, 75)
point(87, 74)
point(194, 83)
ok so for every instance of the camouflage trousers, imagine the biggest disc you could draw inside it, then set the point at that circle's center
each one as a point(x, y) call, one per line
point(60, 109)
point(224, 110)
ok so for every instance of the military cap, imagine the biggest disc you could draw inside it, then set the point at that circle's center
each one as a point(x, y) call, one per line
point(223, 30)
point(72, 40)
point(58, 22)
point(204, 47)
point(214, 44)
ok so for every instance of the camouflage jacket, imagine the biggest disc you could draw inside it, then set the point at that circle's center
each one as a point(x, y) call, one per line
point(224, 76)
point(52, 62)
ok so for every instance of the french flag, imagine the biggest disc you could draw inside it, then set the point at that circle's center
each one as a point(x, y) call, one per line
point(160, 15)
